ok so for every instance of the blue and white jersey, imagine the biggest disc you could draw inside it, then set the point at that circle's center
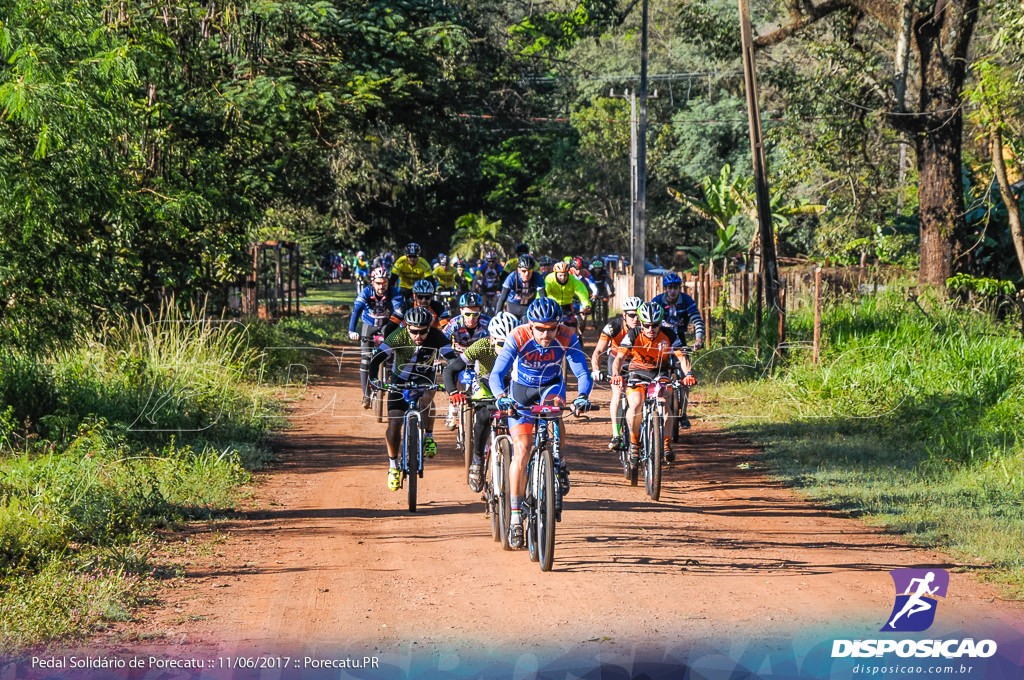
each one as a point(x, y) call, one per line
point(489, 277)
point(680, 315)
point(373, 309)
point(522, 292)
point(460, 334)
point(532, 365)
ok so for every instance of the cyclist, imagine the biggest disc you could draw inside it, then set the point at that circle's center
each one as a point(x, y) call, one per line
point(470, 325)
point(444, 273)
point(487, 279)
point(463, 280)
point(361, 267)
point(649, 348)
point(512, 264)
point(601, 278)
point(482, 353)
point(463, 331)
point(544, 265)
point(413, 348)
point(521, 287)
point(374, 306)
point(409, 269)
point(610, 339)
point(422, 296)
point(562, 287)
point(532, 359)
point(681, 311)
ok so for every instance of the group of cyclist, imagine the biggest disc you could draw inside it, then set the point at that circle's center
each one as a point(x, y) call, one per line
point(518, 351)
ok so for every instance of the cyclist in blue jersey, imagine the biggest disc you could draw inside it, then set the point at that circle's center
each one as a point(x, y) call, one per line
point(681, 311)
point(373, 307)
point(521, 287)
point(488, 277)
point(465, 329)
point(532, 360)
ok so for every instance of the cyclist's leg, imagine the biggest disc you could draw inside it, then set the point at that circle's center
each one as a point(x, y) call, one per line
point(366, 348)
point(426, 407)
point(634, 401)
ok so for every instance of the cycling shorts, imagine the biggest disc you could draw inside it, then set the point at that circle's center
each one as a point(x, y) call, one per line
point(525, 397)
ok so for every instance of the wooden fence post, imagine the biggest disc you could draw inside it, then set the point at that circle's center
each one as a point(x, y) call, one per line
point(817, 315)
point(758, 303)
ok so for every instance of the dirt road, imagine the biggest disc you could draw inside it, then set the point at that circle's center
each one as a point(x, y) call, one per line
point(327, 559)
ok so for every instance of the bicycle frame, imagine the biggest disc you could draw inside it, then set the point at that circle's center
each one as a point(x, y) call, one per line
point(411, 456)
point(652, 423)
point(543, 502)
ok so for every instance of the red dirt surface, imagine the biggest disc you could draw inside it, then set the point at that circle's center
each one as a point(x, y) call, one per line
point(326, 558)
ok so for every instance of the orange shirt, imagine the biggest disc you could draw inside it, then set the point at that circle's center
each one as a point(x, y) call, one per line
point(649, 354)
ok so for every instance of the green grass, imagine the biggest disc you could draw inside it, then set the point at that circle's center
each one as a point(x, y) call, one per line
point(144, 425)
point(913, 421)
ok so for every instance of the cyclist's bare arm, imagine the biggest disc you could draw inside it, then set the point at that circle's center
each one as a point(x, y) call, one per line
point(595, 358)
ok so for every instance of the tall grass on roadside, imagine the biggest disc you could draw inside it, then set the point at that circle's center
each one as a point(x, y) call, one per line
point(146, 424)
point(914, 420)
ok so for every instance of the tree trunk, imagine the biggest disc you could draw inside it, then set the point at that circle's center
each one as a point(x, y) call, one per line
point(940, 193)
point(942, 37)
point(1012, 206)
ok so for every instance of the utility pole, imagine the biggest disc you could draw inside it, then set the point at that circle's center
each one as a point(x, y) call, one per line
point(639, 250)
point(631, 98)
point(769, 265)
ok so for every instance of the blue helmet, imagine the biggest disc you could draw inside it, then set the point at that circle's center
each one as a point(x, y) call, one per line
point(423, 287)
point(471, 300)
point(671, 279)
point(544, 310)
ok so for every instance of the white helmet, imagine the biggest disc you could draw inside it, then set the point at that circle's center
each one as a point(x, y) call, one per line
point(501, 325)
point(632, 304)
point(360, 254)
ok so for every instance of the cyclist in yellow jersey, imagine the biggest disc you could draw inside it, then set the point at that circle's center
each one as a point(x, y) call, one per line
point(563, 287)
point(444, 273)
point(409, 269)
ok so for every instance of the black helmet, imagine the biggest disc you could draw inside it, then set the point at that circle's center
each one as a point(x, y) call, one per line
point(413, 249)
point(526, 262)
point(522, 249)
point(418, 317)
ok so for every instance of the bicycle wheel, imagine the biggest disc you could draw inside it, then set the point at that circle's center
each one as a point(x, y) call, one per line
point(411, 444)
point(466, 425)
point(530, 509)
point(654, 452)
point(501, 459)
point(545, 508)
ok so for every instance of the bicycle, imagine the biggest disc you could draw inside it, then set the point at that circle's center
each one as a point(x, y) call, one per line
point(497, 460)
point(464, 421)
point(362, 280)
point(411, 457)
point(652, 442)
point(449, 299)
point(542, 504)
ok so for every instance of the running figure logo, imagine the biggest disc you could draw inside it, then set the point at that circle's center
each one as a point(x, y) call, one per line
point(916, 592)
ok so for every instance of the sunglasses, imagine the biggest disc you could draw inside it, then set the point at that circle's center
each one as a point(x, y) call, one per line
point(543, 329)
point(418, 331)
point(471, 314)
point(630, 315)
point(424, 297)
point(656, 324)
